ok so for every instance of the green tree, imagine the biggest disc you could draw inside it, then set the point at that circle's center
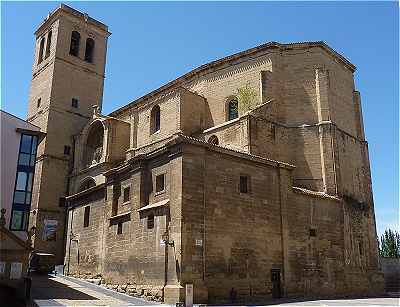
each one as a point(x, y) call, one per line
point(389, 245)
point(246, 98)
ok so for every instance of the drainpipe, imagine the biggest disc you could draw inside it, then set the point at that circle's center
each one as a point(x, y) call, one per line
point(70, 240)
point(166, 253)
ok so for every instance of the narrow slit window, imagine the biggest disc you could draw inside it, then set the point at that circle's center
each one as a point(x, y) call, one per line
point(89, 50)
point(48, 44)
point(119, 228)
point(41, 50)
point(75, 41)
point(67, 150)
point(150, 221)
point(39, 101)
point(75, 103)
point(244, 184)
point(86, 217)
point(127, 196)
point(155, 120)
point(160, 183)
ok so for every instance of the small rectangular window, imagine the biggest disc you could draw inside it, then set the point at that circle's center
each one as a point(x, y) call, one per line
point(150, 221)
point(160, 183)
point(127, 195)
point(86, 217)
point(119, 228)
point(244, 184)
point(313, 232)
point(67, 150)
point(360, 248)
point(39, 101)
point(75, 103)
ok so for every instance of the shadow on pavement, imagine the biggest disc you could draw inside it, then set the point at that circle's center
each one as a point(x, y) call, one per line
point(312, 301)
point(44, 287)
point(8, 297)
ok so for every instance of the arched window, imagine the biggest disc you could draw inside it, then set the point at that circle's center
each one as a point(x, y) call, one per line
point(213, 140)
point(48, 45)
point(233, 111)
point(155, 120)
point(75, 40)
point(94, 144)
point(89, 50)
point(41, 49)
point(87, 184)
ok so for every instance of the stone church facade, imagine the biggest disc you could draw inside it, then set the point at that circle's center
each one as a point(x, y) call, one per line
point(183, 186)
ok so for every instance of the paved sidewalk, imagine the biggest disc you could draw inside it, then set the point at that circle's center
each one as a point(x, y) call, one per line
point(56, 291)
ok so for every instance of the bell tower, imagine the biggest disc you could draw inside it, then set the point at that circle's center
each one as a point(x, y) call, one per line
point(67, 80)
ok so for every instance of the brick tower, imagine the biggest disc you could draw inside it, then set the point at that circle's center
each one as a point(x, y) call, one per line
point(67, 80)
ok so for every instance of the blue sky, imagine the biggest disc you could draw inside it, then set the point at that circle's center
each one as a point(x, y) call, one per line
point(153, 43)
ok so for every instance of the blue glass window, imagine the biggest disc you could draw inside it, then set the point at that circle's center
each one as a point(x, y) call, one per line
point(23, 182)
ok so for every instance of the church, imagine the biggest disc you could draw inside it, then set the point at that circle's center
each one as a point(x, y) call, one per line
point(247, 176)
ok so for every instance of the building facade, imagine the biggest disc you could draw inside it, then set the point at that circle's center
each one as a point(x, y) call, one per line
point(187, 185)
point(67, 80)
point(19, 141)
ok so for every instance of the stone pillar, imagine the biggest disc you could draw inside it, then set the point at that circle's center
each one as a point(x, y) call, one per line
point(359, 118)
point(328, 170)
point(284, 184)
point(322, 93)
point(325, 131)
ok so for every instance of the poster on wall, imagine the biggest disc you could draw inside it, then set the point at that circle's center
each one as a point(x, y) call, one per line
point(50, 230)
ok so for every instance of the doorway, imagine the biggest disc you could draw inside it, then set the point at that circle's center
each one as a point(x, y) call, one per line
point(276, 283)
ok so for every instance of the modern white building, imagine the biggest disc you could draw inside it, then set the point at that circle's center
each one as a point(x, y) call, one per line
point(19, 140)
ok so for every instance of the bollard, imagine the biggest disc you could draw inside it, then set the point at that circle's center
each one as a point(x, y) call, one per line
point(189, 295)
point(27, 284)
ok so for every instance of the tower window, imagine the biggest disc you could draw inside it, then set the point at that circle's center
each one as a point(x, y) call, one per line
point(67, 150)
point(48, 44)
point(150, 221)
point(75, 40)
point(155, 119)
point(127, 195)
point(41, 49)
point(233, 111)
point(244, 184)
point(75, 103)
point(160, 183)
point(313, 232)
point(119, 228)
point(89, 50)
point(86, 217)
point(39, 101)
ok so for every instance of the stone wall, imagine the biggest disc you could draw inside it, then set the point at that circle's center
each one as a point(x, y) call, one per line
point(391, 271)
point(230, 239)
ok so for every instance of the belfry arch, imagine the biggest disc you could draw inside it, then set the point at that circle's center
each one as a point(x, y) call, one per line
point(94, 145)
